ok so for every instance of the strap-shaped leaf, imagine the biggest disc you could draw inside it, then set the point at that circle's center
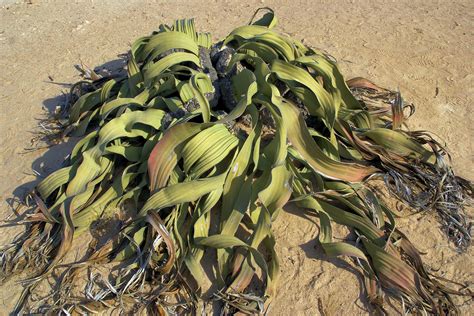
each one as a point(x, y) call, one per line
point(400, 143)
point(165, 41)
point(164, 155)
point(292, 75)
point(302, 141)
point(182, 192)
point(152, 70)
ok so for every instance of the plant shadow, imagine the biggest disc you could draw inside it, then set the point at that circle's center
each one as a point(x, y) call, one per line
point(53, 155)
point(314, 250)
point(49, 157)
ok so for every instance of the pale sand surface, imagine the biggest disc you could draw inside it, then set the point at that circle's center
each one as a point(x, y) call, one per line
point(418, 46)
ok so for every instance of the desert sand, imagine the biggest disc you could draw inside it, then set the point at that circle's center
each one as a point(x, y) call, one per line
point(424, 48)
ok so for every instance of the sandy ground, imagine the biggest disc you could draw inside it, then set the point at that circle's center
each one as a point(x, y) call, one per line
point(423, 47)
